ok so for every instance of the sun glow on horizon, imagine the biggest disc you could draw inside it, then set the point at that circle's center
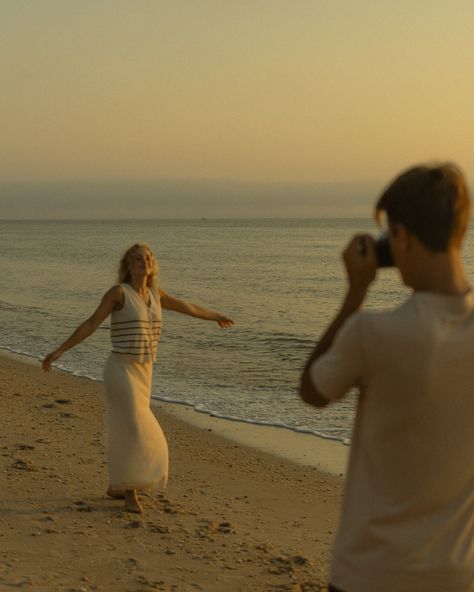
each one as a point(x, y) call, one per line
point(251, 91)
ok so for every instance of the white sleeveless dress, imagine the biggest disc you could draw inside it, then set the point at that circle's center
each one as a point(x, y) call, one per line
point(137, 451)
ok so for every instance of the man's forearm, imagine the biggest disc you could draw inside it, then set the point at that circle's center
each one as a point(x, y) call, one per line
point(361, 266)
point(308, 392)
point(351, 304)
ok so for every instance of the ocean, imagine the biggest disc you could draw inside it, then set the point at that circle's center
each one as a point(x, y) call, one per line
point(280, 280)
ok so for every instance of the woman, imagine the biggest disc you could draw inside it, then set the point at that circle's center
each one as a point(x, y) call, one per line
point(137, 451)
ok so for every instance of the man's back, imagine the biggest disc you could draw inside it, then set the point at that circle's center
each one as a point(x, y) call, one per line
point(408, 515)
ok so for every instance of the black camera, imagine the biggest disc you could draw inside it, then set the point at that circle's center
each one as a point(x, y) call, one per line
point(383, 252)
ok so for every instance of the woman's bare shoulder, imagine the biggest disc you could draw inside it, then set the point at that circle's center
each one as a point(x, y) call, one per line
point(161, 293)
point(116, 295)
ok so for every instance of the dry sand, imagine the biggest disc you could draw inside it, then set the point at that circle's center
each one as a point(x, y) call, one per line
point(232, 518)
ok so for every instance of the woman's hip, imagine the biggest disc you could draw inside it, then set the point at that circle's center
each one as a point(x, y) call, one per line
point(129, 378)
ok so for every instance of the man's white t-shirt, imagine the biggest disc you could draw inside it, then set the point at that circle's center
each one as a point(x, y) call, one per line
point(407, 523)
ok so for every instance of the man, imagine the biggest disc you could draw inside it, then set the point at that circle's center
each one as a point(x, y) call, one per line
point(407, 523)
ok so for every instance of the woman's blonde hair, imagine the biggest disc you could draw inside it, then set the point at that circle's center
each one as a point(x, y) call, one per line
point(124, 276)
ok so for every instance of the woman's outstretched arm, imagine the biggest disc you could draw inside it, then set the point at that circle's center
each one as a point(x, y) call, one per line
point(172, 303)
point(112, 300)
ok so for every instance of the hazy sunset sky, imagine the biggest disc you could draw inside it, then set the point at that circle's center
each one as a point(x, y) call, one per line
point(281, 92)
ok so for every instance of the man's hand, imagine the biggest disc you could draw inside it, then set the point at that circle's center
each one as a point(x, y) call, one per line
point(361, 263)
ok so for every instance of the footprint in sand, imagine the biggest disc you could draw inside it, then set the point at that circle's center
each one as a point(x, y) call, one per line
point(25, 447)
point(24, 465)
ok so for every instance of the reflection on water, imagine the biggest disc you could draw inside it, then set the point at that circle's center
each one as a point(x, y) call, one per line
point(281, 280)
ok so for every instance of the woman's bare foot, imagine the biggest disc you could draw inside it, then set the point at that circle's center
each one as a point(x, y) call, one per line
point(116, 493)
point(131, 502)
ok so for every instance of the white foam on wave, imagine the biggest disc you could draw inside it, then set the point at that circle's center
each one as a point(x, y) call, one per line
point(28, 357)
point(257, 422)
point(21, 355)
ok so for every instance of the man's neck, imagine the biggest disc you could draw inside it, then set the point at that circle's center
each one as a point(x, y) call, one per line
point(441, 273)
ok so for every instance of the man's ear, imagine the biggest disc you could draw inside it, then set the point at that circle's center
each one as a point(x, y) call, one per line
point(402, 235)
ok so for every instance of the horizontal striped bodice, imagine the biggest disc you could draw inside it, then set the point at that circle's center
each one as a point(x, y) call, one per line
point(135, 329)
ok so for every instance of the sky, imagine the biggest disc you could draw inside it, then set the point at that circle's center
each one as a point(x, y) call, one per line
point(227, 107)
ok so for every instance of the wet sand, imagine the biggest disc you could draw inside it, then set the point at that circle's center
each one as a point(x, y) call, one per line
point(233, 518)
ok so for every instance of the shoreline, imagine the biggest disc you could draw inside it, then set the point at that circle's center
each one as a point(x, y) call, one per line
point(325, 454)
point(307, 450)
point(232, 518)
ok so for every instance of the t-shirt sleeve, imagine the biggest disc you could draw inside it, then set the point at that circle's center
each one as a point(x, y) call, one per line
point(342, 366)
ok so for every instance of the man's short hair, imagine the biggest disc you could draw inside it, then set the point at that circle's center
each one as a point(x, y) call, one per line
point(432, 202)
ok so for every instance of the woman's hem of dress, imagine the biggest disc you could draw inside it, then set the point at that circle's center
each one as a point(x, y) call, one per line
point(122, 487)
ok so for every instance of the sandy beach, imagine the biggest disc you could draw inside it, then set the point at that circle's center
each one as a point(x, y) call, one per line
point(233, 518)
